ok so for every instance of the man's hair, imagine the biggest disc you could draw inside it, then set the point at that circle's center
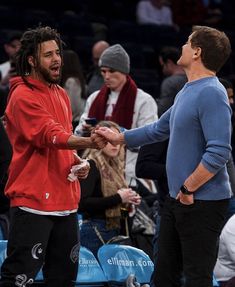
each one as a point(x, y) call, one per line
point(170, 53)
point(215, 46)
point(30, 45)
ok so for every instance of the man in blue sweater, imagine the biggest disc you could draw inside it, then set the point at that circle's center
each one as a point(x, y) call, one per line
point(198, 126)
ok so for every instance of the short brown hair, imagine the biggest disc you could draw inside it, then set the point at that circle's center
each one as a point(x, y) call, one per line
point(215, 46)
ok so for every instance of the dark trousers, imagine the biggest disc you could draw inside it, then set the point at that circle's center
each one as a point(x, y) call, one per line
point(155, 247)
point(229, 283)
point(36, 241)
point(188, 243)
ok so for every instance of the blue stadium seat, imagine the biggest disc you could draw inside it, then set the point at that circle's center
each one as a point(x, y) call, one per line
point(3, 248)
point(120, 261)
point(89, 272)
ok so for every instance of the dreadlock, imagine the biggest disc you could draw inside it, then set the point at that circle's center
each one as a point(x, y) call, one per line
point(30, 45)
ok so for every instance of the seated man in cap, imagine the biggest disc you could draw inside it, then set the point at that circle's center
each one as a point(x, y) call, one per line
point(119, 100)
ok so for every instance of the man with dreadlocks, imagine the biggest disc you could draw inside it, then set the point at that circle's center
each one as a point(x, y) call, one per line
point(43, 201)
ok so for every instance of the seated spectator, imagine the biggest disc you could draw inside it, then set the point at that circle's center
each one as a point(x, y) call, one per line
point(230, 164)
point(73, 82)
point(8, 68)
point(174, 80)
point(11, 46)
point(224, 270)
point(94, 78)
point(103, 193)
point(5, 159)
point(119, 100)
point(229, 88)
point(5, 152)
point(3, 100)
point(153, 12)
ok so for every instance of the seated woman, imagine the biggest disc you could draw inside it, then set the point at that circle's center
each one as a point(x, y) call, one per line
point(103, 193)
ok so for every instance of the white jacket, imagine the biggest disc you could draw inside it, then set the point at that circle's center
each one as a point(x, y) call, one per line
point(225, 264)
point(145, 111)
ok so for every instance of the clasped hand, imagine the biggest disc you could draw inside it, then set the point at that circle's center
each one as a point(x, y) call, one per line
point(98, 140)
point(128, 195)
point(80, 170)
point(102, 135)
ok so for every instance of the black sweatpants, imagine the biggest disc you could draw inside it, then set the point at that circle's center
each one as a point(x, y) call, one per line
point(36, 241)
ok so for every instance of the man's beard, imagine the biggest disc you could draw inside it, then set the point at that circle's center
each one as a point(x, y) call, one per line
point(47, 77)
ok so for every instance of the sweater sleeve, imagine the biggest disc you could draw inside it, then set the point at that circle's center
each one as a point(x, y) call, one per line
point(92, 200)
point(150, 133)
point(215, 118)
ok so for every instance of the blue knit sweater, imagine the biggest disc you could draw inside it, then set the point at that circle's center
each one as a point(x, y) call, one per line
point(198, 126)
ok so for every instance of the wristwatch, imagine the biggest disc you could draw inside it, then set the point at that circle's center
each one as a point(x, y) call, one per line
point(184, 190)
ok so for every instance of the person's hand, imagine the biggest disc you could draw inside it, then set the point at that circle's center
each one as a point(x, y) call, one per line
point(99, 141)
point(185, 198)
point(128, 195)
point(136, 200)
point(80, 170)
point(83, 171)
point(115, 138)
point(86, 129)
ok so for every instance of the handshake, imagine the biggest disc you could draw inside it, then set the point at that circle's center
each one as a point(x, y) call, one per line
point(100, 136)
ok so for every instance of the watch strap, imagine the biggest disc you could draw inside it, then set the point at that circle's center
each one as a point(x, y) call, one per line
point(185, 190)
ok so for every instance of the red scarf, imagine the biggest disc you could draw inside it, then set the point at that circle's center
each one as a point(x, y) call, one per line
point(124, 108)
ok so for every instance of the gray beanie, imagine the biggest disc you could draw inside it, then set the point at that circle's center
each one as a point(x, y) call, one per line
point(116, 58)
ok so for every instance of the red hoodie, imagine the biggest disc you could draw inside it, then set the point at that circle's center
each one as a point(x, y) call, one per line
point(39, 125)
